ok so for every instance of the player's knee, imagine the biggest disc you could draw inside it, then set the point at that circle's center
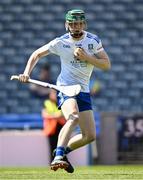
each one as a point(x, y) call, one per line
point(90, 137)
point(73, 118)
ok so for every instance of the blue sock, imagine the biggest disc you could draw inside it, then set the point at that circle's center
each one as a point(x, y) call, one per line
point(68, 150)
point(60, 151)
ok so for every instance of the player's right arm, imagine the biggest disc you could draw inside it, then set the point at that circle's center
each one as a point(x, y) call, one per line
point(34, 58)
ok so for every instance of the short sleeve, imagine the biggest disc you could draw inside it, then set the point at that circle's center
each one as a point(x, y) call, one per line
point(52, 46)
point(98, 47)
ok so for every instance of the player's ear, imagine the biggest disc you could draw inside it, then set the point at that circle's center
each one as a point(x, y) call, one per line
point(66, 26)
point(85, 25)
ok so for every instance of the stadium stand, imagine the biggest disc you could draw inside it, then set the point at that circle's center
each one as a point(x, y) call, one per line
point(21, 122)
point(28, 24)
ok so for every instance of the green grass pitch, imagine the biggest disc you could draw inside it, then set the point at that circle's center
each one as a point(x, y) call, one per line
point(90, 172)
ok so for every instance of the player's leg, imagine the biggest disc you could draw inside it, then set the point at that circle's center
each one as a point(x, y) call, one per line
point(53, 139)
point(71, 113)
point(87, 125)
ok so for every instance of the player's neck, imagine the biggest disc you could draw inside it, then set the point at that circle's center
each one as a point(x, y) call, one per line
point(78, 38)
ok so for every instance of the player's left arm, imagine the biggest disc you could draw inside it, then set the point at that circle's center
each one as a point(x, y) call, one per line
point(99, 60)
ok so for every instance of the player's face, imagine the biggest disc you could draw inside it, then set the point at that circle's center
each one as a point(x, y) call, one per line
point(76, 26)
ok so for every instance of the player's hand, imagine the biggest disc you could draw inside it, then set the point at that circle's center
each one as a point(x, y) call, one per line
point(23, 78)
point(80, 54)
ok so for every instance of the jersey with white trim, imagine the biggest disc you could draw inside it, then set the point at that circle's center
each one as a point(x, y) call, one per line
point(74, 71)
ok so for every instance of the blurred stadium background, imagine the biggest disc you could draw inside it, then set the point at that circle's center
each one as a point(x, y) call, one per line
point(26, 25)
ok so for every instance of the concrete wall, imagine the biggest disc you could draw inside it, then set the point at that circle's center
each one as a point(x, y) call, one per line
point(30, 148)
point(107, 146)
